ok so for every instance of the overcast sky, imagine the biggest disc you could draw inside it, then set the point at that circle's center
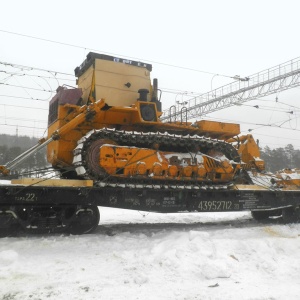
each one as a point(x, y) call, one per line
point(213, 37)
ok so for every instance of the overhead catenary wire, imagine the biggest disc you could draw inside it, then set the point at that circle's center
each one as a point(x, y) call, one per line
point(275, 125)
point(22, 119)
point(20, 106)
point(113, 54)
point(38, 76)
point(276, 101)
point(24, 35)
point(22, 67)
point(167, 90)
point(269, 108)
point(26, 87)
point(30, 127)
point(251, 123)
point(284, 138)
point(25, 98)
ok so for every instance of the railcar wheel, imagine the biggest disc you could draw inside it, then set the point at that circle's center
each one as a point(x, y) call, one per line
point(291, 215)
point(85, 220)
point(266, 214)
point(260, 215)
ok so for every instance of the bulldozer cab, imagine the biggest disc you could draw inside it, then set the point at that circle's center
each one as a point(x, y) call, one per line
point(120, 82)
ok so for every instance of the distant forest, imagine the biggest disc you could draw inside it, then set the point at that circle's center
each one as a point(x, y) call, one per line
point(12, 145)
point(280, 158)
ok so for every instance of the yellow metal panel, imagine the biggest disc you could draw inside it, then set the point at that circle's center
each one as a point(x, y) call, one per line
point(85, 83)
point(219, 128)
point(110, 80)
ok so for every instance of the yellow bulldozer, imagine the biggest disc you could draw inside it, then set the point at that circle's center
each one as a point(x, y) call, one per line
point(107, 132)
point(109, 129)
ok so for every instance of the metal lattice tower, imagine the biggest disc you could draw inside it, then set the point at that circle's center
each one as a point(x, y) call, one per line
point(282, 77)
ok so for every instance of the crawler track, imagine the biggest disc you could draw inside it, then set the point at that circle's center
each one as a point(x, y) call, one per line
point(164, 141)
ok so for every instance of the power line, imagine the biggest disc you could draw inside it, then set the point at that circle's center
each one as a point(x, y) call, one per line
point(25, 87)
point(166, 90)
point(31, 127)
point(22, 119)
point(296, 108)
point(22, 67)
point(114, 54)
point(261, 125)
point(180, 92)
point(277, 126)
point(273, 136)
point(20, 106)
point(34, 75)
point(279, 102)
point(276, 144)
point(26, 98)
point(268, 108)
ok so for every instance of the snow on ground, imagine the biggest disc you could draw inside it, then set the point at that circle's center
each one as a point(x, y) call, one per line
point(136, 255)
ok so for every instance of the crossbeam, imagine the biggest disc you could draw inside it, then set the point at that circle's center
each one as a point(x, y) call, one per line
point(277, 79)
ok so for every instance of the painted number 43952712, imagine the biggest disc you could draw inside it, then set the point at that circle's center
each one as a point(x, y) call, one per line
point(215, 205)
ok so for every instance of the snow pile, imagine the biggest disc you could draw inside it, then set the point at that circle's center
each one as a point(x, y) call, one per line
point(137, 255)
point(290, 174)
point(4, 182)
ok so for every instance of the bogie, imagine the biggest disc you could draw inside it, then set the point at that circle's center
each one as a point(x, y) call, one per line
point(75, 219)
point(291, 215)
